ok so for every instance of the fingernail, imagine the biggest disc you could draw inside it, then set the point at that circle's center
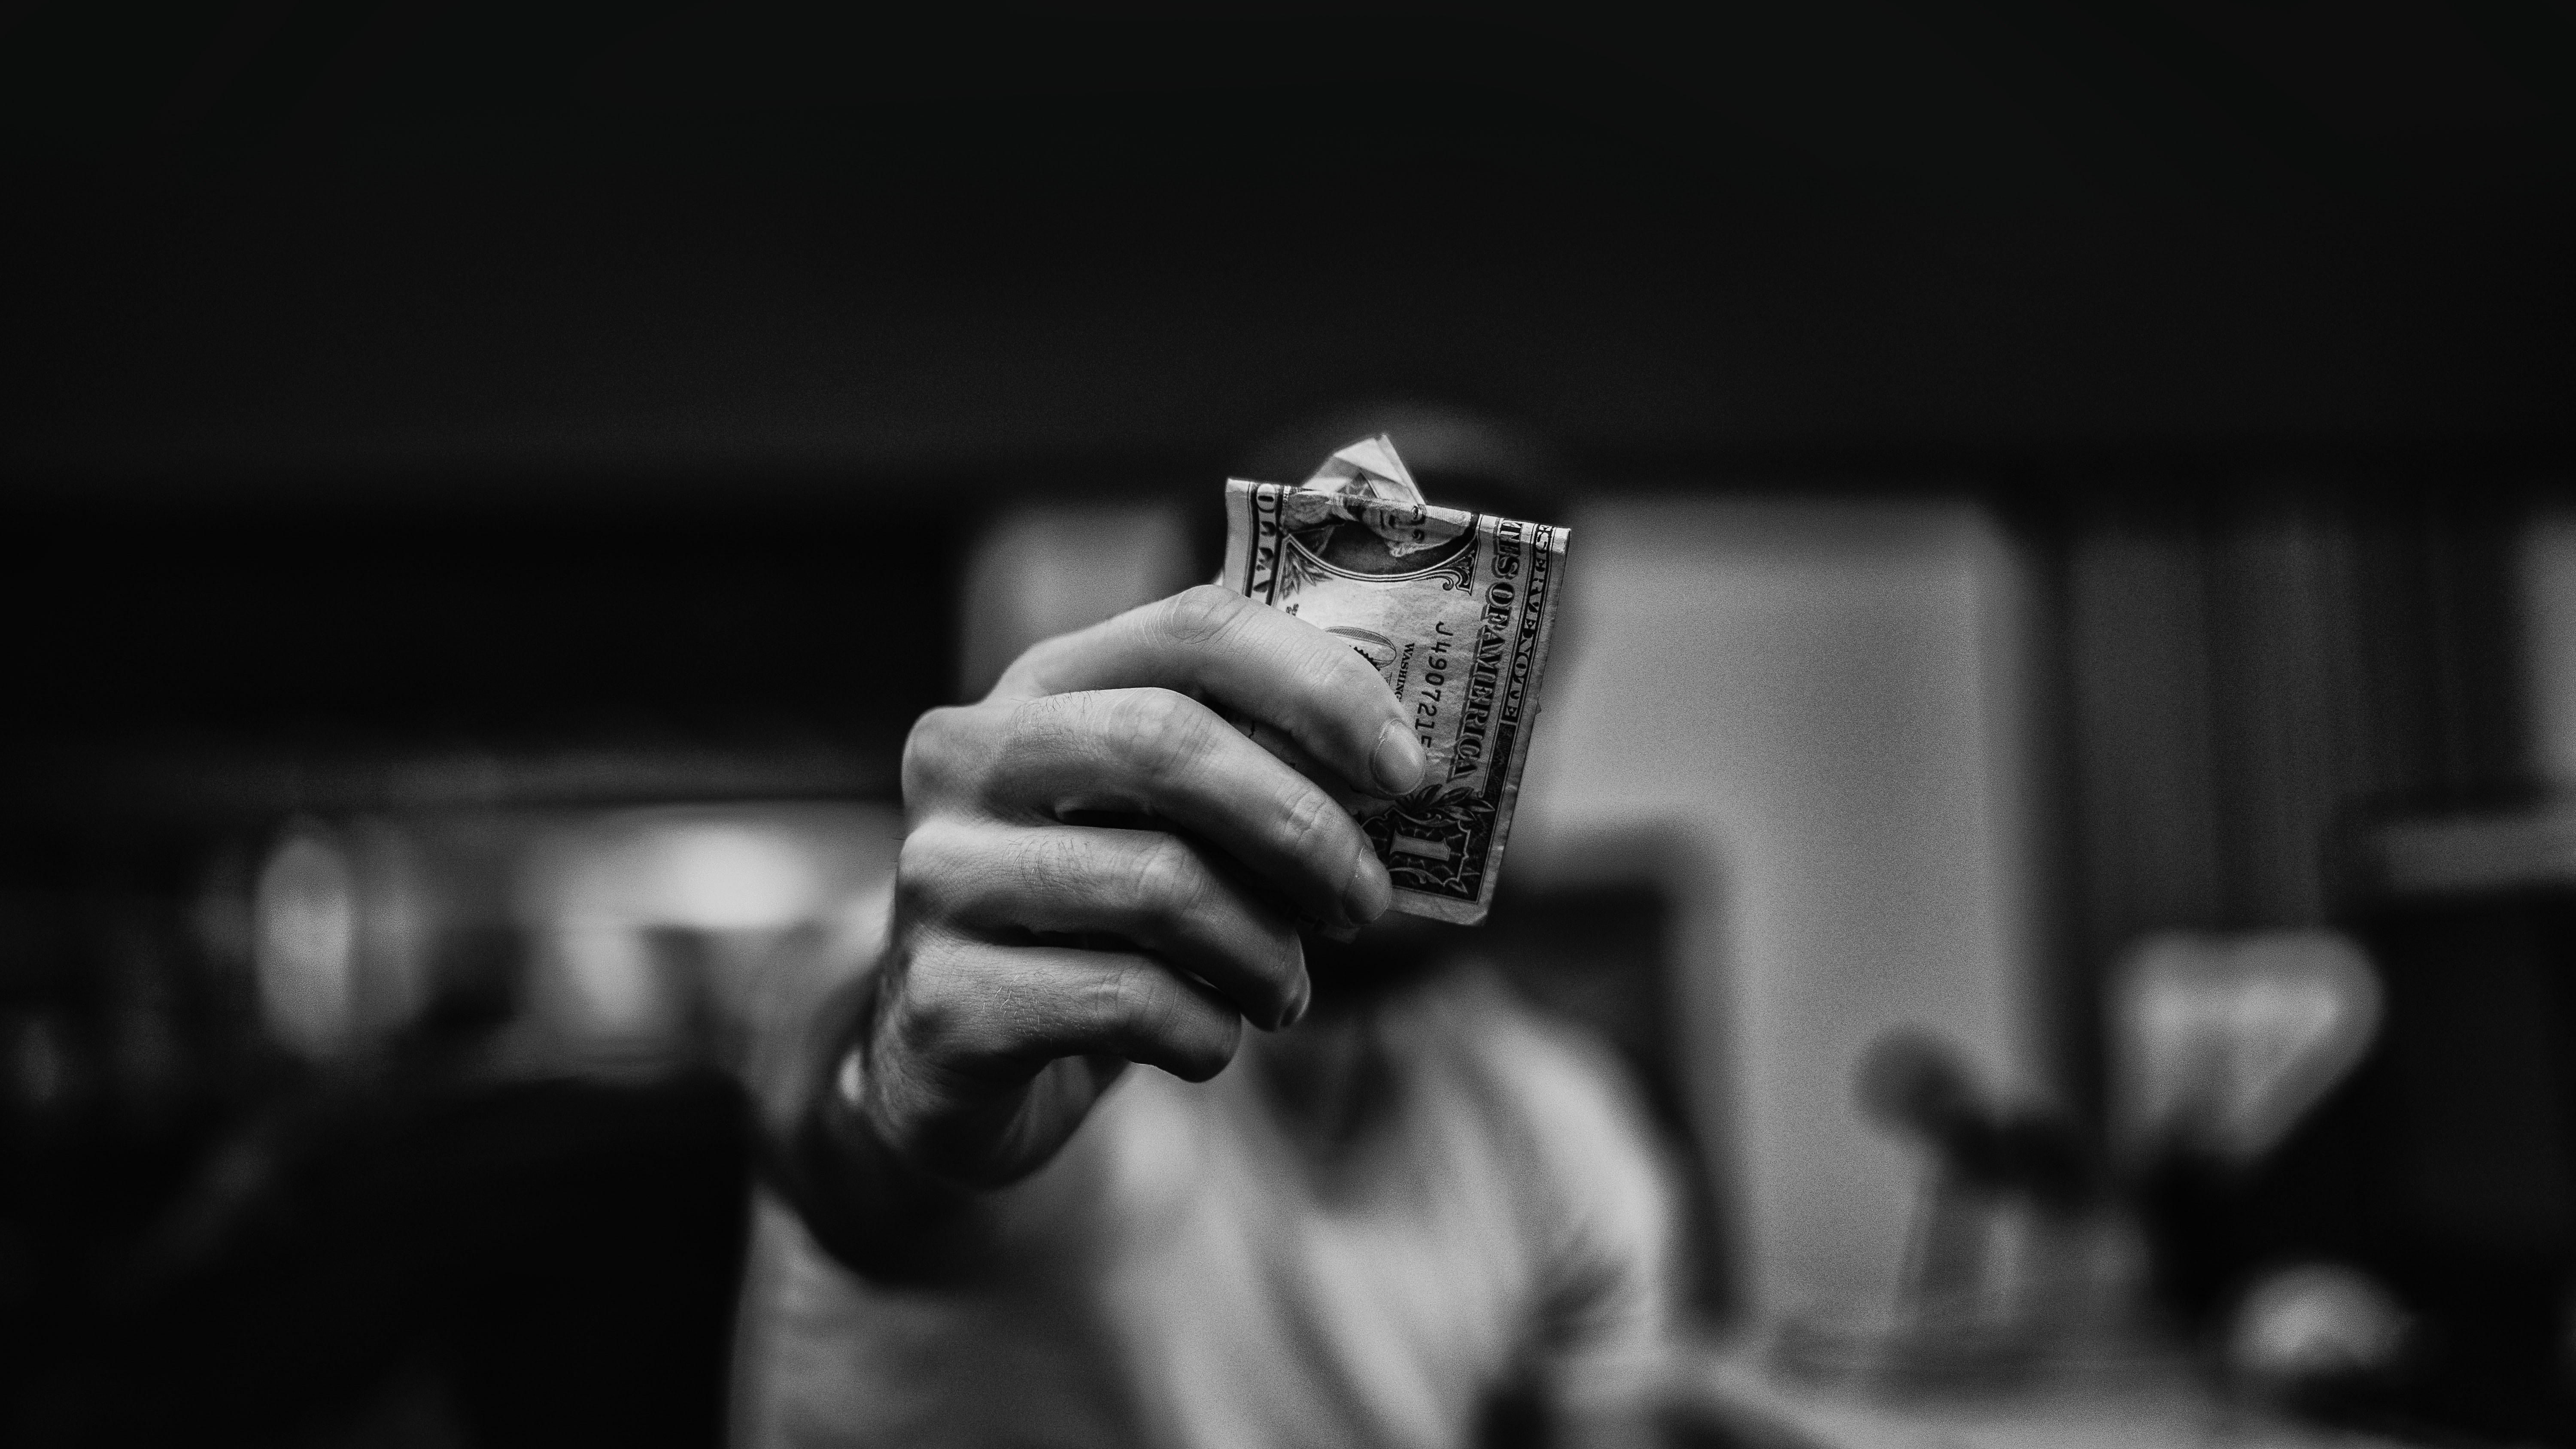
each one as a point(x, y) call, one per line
point(1368, 893)
point(1296, 1011)
point(1397, 761)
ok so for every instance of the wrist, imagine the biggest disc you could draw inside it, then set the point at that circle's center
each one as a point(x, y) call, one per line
point(847, 1106)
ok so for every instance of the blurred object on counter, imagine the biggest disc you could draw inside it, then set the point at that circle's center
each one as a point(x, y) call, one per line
point(615, 939)
point(2402, 1254)
point(2222, 1044)
point(2312, 1324)
point(2020, 1270)
point(650, 927)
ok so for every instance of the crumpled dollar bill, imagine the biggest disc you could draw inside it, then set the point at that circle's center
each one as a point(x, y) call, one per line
point(1454, 610)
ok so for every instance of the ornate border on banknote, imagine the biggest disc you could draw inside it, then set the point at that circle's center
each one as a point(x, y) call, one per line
point(1457, 617)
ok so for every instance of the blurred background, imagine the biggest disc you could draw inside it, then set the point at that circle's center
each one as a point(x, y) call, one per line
point(2074, 567)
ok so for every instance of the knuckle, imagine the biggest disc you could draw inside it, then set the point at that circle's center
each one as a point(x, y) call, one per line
point(1050, 867)
point(1156, 1019)
point(1031, 738)
point(1040, 728)
point(1158, 729)
point(1030, 722)
point(1201, 614)
point(1131, 993)
point(1311, 825)
point(928, 865)
point(936, 753)
point(1161, 1005)
point(938, 994)
point(1126, 1005)
point(1168, 883)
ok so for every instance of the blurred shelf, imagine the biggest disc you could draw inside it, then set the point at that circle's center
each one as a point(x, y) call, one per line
point(178, 786)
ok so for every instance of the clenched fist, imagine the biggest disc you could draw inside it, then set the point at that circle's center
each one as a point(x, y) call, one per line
point(1099, 868)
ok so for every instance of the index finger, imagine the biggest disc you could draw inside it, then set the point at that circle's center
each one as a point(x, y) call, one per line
point(1219, 645)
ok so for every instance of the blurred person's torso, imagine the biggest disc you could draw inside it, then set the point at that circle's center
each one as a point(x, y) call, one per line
point(1196, 1271)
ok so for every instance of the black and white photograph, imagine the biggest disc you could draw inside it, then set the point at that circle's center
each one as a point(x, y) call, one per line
point(1811, 725)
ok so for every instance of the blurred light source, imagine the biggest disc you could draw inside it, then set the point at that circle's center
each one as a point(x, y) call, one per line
point(696, 868)
point(651, 925)
point(305, 942)
point(39, 1068)
point(391, 975)
point(2548, 548)
point(735, 878)
point(613, 989)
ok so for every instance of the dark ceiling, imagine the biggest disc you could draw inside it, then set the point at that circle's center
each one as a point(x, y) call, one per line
point(416, 245)
point(1943, 99)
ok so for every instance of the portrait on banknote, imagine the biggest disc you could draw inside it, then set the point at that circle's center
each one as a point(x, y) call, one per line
point(1454, 610)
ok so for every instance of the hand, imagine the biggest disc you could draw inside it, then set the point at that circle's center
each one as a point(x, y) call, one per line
point(1035, 952)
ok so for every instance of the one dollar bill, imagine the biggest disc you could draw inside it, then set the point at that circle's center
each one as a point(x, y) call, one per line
point(1454, 610)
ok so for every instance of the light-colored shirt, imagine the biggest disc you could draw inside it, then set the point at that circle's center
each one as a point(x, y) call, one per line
point(1186, 1274)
